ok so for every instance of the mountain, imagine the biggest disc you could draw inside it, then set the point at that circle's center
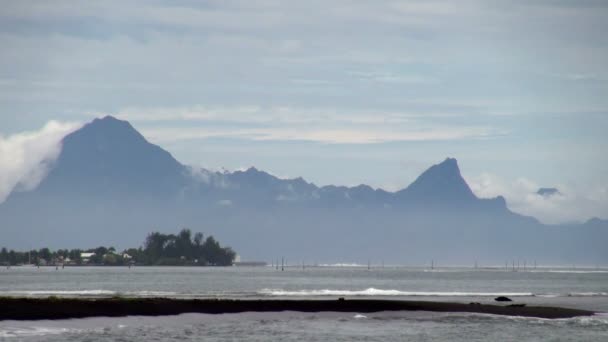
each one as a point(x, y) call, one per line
point(440, 183)
point(110, 186)
point(108, 156)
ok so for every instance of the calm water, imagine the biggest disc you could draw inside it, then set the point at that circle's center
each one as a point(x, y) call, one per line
point(580, 288)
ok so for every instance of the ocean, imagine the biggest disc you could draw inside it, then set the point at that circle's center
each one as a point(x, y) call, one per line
point(568, 287)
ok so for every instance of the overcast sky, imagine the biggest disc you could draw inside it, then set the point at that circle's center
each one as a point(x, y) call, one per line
point(339, 92)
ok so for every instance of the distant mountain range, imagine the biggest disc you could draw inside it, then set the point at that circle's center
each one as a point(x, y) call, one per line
point(110, 186)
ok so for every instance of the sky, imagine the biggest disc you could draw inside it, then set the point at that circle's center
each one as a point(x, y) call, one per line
point(340, 92)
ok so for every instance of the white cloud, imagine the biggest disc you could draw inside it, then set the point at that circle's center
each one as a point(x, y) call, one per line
point(572, 204)
point(257, 114)
point(394, 78)
point(287, 123)
point(354, 135)
point(25, 157)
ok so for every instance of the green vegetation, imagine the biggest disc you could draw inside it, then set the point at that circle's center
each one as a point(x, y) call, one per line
point(182, 249)
point(158, 249)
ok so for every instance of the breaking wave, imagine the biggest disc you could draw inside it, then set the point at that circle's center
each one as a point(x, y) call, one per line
point(86, 293)
point(33, 332)
point(343, 265)
point(379, 292)
point(570, 271)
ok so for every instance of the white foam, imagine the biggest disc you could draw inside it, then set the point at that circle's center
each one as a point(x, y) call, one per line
point(379, 292)
point(33, 331)
point(569, 271)
point(547, 295)
point(150, 293)
point(588, 294)
point(572, 294)
point(343, 265)
point(595, 320)
point(78, 293)
point(60, 293)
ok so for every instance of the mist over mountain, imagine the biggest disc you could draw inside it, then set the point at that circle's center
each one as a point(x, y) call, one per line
point(109, 186)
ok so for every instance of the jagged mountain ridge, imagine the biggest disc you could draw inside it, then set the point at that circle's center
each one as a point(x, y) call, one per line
point(109, 156)
point(110, 186)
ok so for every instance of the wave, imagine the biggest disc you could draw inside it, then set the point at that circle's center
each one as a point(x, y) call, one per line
point(149, 293)
point(33, 332)
point(342, 265)
point(572, 294)
point(76, 293)
point(572, 271)
point(61, 293)
point(587, 294)
point(292, 293)
point(379, 292)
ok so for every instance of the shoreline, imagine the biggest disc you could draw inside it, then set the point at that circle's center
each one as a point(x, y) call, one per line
point(53, 308)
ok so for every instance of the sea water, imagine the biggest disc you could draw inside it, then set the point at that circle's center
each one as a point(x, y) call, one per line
point(576, 288)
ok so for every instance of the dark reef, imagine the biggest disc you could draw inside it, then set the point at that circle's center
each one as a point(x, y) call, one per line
point(63, 308)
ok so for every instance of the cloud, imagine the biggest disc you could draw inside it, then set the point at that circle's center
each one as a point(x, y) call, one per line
point(26, 157)
point(571, 204)
point(258, 114)
point(355, 135)
point(288, 123)
point(393, 78)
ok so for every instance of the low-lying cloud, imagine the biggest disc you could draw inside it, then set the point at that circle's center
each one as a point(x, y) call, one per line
point(322, 125)
point(571, 204)
point(25, 158)
point(354, 135)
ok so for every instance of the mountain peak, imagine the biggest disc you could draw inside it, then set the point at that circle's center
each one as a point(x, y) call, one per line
point(108, 154)
point(441, 182)
point(451, 162)
point(108, 128)
point(108, 118)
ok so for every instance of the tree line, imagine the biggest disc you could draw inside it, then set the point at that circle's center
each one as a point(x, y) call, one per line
point(158, 249)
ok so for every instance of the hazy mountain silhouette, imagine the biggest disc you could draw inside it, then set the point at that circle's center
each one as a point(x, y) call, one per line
point(440, 183)
point(110, 186)
point(110, 156)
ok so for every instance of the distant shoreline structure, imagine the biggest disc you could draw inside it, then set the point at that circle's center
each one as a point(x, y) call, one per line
point(250, 263)
point(158, 249)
